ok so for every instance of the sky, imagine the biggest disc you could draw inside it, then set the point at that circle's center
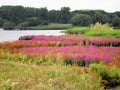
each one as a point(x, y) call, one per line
point(107, 5)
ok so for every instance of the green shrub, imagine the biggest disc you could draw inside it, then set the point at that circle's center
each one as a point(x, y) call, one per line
point(43, 22)
point(34, 21)
point(23, 25)
point(99, 26)
point(109, 74)
point(8, 26)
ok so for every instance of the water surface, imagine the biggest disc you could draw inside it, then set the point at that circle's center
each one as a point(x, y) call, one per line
point(11, 35)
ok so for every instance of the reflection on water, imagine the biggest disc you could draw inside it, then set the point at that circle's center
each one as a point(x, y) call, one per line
point(11, 35)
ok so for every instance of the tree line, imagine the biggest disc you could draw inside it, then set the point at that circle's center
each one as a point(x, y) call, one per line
point(17, 17)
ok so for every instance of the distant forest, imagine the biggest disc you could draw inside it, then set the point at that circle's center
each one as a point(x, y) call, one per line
point(19, 16)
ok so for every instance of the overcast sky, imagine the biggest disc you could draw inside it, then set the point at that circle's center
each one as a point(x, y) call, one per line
point(107, 5)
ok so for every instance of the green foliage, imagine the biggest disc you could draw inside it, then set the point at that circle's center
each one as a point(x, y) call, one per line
point(105, 33)
point(99, 17)
point(53, 16)
point(23, 25)
point(77, 30)
point(110, 74)
point(42, 13)
point(64, 15)
point(43, 22)
point(81, 20)
point(2, 21)
point(116, 21)
point(8, 26)
point(102, 30)
point(15, 14)
point(99, 26)
point(34, 21)
point(36, 16)
point(96, 30)
point(14, 57)
point(19, 76)
point(51, 26)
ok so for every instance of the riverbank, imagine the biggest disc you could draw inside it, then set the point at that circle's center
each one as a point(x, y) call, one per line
point(51, 26)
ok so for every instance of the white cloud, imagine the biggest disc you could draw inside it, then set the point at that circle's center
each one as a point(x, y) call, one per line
point(107, 5)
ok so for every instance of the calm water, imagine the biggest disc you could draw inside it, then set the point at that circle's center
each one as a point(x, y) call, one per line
point(14, 35)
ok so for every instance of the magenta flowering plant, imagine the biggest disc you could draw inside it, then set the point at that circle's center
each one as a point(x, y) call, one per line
point(71, 40)
point(64, 40)
point(69, 48)
point(74, 53)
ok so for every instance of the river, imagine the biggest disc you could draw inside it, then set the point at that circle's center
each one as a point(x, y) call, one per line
point(11, 35)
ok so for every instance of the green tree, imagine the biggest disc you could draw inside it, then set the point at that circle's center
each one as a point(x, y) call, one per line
point(99, 17)
point(116, 21)
point(8, 26)
point(42, 13)
point(15, 14)
point(81, 20)
point(64, 15)
point(54, 15)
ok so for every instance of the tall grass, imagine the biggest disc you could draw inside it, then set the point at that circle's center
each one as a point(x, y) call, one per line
point(55, 77)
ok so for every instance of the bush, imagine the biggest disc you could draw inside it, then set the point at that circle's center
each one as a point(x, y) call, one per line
point(110, 74)
point(44, 22)
point(99, 26)
point(8, 26)
point(23, 25)
point(33, 21)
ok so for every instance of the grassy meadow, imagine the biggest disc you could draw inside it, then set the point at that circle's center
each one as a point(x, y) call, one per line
point(18, 76)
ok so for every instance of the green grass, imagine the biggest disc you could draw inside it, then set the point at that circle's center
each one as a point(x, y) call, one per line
point(104, 33)
point(86, 31)
point(109, 74)
point(19, 76)
point(77, 30)
point(51, 26)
